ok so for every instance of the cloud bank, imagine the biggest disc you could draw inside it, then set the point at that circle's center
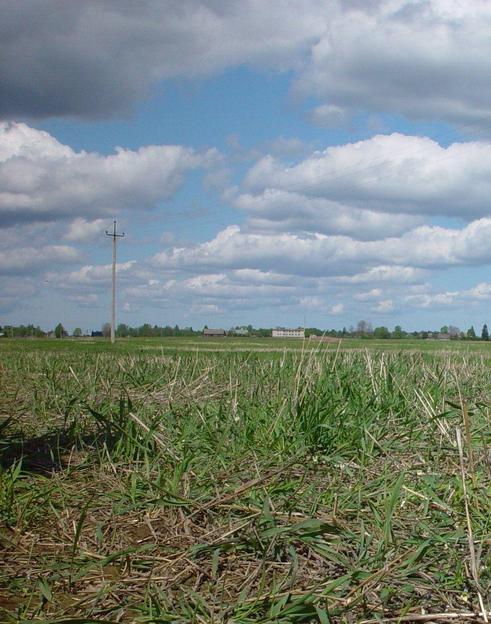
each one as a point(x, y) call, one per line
point(423, 59)
point(392, 173)
point(44, 180)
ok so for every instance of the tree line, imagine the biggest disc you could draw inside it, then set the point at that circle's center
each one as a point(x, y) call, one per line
point(363, 329)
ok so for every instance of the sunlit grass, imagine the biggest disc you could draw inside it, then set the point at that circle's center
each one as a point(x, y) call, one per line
point(151, 483)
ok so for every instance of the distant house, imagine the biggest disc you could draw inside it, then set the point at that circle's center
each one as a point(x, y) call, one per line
point(282, 332)
point(214, 333)
point(241, 331)
point(438, 336)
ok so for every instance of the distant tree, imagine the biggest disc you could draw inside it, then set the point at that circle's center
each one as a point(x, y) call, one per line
point(363, 328)
point(145, 330)
point(453, 331)
point(485, 333)
point(314, 331)
point(24, 331)
point(444, 329)
point(397, 333)
point(77, 332)
point(106, 330)
point(60, 331)
point(471, 334)
point(122, 331)
point(381, 332)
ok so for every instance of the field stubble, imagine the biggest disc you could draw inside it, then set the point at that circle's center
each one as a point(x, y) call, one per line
point(315, 486)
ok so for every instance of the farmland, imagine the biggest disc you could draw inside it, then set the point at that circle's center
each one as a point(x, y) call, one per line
point(242, 481)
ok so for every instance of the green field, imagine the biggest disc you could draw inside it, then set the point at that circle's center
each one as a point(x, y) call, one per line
point(197, 343)
point(244, 480)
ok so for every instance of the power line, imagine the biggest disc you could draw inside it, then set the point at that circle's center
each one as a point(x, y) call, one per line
point(114, 236)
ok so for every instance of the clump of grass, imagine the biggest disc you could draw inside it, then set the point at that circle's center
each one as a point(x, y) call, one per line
point(303, 486)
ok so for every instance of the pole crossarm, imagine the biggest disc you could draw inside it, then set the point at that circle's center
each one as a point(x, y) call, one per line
point(114, 235)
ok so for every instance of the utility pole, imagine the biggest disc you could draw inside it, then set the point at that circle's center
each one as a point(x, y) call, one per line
point(114, 236)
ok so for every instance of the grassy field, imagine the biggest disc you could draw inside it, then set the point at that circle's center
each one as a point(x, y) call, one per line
point(270, 345)
point(242, 481)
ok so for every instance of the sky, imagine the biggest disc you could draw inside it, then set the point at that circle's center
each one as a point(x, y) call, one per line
point(276, 163)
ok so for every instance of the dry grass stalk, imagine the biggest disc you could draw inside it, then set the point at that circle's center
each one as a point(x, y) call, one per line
point(156, 436)
point(427, 617)
point(470, 538)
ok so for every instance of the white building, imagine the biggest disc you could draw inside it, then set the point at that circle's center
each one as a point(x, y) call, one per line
point(281, 332)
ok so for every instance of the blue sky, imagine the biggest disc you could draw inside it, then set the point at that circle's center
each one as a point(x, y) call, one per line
point(271, 163)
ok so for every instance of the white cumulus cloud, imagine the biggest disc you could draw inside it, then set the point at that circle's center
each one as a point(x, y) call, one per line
point(81, 231)
point(342, 256)
point(387, 173)
point(281, 210)
point(336, 309)
point(33, 260)
point(41, 179)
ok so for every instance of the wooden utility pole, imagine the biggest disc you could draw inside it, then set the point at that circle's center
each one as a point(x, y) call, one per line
point(114, 236)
